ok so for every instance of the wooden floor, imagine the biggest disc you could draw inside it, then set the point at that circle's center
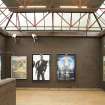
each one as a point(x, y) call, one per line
point(60, 97)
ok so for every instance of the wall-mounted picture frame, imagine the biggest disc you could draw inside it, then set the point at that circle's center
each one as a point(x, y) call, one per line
point(41, 67)
point(66, 66)
point(19, 67)
point(103, 68)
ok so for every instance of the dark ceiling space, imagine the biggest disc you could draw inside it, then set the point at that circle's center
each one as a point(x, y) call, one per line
point(53, 5)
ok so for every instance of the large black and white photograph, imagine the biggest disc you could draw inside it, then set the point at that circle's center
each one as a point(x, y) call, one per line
point(66, 65)
point(41, 67)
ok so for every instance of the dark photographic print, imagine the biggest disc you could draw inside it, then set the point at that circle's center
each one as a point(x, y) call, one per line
point(66, 67)
point(41, 67)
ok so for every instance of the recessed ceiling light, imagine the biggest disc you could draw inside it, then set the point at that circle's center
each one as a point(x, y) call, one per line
point(31, 7)
point(21, 6)
point(68, 7)
point(83, 6)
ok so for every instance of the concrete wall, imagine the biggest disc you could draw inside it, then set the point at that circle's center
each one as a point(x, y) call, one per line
point(87, 52)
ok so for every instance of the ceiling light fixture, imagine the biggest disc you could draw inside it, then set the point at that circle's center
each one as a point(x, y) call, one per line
point(14, 37)
point(34, 36)
point(72, 7)
point(32, 7)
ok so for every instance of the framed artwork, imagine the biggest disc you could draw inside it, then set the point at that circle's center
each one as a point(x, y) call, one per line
point(19, 67)
point(41, 67)
point(0, 67)
point(103, 68)
point(66, 66)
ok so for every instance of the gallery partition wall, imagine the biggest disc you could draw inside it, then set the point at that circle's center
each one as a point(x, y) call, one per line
point(85, 68)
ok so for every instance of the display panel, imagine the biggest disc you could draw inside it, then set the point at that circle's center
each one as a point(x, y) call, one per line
point(19, 67)
point(66, 66)
point(103, 68)
point(41, 67)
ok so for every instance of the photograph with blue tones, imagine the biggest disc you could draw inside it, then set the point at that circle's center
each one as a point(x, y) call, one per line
point(66, 65)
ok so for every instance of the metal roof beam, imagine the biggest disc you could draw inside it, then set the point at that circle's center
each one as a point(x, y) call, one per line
point(98, 21)
point(9, 20)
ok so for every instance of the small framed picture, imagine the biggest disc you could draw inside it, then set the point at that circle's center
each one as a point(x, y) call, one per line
point(19, 67)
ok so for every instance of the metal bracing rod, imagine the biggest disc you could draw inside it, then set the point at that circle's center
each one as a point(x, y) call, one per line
point(27, 20)
point(79, 22)
point(63, 19)
point(70, 21)
point(101, 10)
point(35, 20)
point(97, 21)
point(8, 20)
point(79, 19)
point(42, 19)
point(3, 11)
point(103, 21)
point(53, 21)
point(4, 19)
point(88, 22)
point(18, 20)
point(1, 4)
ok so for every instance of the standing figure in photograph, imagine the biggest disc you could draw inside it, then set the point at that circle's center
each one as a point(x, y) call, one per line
point(41, 66)
point(65, 66)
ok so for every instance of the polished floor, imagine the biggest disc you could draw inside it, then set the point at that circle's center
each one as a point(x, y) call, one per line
point(32, 96)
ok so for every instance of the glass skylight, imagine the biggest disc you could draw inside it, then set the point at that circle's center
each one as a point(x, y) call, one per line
point(52, 21)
